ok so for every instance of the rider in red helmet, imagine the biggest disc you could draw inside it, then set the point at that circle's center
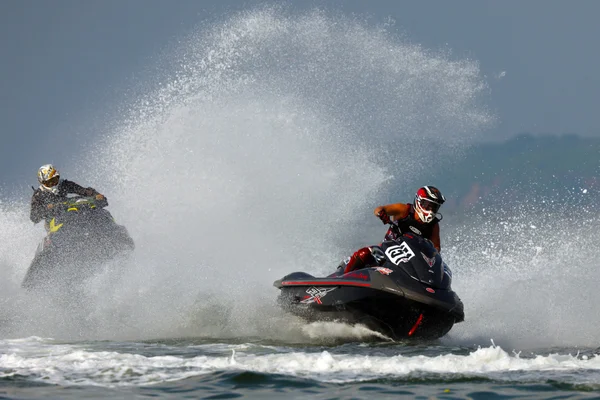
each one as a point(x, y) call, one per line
point(420, 218)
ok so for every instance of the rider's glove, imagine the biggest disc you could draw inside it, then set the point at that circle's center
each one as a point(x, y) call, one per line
point(384, 217)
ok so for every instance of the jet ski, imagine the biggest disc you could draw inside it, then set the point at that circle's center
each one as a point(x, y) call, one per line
point(406, 295)
point(81, 235)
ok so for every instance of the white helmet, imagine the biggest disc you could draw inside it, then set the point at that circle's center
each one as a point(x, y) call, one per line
point(49, 177)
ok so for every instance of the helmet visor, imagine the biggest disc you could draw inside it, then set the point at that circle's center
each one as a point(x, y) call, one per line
point(429, 205)
point(52, 181)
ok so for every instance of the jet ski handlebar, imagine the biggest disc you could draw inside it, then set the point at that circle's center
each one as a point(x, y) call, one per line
point(80, 203)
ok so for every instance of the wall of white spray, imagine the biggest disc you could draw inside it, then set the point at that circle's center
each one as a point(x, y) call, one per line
point(260, 150)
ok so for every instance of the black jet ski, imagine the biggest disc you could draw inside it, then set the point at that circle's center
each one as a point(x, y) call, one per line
point(81, 235)
point(406, 295)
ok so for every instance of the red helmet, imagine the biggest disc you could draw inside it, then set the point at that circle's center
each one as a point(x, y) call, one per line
point(427, 202)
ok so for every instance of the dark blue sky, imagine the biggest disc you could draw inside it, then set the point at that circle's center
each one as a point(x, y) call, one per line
point(64, 62)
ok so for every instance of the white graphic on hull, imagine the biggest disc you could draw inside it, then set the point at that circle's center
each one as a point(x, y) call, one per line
point(399, 254)
point(383, 271)
point(316, 294)
point(429, 261)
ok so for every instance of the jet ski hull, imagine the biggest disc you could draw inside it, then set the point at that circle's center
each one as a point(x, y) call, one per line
point(407, 296)
point(382, 310)
point(79, 240)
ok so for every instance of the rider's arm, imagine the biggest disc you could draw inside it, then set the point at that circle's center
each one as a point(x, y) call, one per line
point(435, 237)
point(72, 187)
point(38, 209)
point(396, 210)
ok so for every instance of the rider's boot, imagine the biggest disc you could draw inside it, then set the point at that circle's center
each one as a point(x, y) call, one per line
point(360, 259)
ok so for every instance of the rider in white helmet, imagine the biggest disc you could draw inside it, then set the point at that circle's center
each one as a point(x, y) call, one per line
point(52, 189)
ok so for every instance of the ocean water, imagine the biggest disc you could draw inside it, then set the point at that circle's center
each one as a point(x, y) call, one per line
point(255, 368)
point(260, 146)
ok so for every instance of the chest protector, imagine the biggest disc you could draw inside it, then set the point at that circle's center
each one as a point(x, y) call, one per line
point(46, 197)
point(409, 224)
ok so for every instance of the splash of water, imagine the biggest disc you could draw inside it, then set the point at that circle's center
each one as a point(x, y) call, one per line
point(528, 275)
point(261, 150)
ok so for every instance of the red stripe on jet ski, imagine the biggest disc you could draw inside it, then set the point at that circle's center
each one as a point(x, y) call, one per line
point(327, 283)
point(414, 328)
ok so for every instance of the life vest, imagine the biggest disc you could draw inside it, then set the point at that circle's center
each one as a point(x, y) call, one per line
point(409, 224)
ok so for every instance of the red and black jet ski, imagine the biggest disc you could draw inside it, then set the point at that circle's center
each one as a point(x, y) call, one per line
point(406, 295)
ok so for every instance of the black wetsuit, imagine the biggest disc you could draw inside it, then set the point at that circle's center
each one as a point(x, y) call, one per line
point(409, 224)
point(41, 198)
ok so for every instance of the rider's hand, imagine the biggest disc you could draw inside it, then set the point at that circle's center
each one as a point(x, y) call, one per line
point(100, 197)
point(50, 206)
point(383, 216)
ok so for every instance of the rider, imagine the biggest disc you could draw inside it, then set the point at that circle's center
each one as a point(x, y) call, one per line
point(52, 190)
point(419, 218)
